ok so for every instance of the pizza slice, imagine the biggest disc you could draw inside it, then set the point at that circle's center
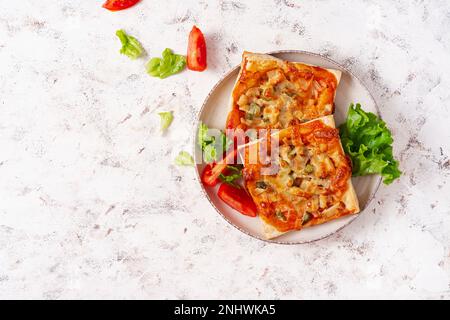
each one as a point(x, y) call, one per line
point(272, 93)
point(301, 181)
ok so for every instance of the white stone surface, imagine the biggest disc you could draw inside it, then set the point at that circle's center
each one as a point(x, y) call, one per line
point(92, 206)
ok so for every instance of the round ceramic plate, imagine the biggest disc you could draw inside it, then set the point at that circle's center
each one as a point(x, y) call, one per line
point(214, 113)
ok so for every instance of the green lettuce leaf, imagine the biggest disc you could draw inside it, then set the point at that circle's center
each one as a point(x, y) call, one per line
point(169, 64)
point(184, 159)
point(210, 153)
point(368, 142)
point(130, 45)
point(203, 139)
point(235, 173)
point(211, 148)
point(166, 119)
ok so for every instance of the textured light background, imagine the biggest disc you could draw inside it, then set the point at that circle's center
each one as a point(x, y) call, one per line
point(91, 205)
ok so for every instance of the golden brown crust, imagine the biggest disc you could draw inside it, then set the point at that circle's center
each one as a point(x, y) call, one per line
point(313, 183)
point(272, 93)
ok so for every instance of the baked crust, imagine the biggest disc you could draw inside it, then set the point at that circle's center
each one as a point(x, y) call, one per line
point(272, 93)
point(312, 184)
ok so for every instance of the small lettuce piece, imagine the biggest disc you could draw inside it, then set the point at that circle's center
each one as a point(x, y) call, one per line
point(368, 142)
point(184, 159)
point(169, 64)
point(211, 148)
point(203, 139)
point(166, 119)
point(235, 174)
point(130, 45)
point(210, 153)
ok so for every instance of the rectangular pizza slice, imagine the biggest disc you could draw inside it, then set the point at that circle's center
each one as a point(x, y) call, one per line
point(310, 182)
point(272, 93)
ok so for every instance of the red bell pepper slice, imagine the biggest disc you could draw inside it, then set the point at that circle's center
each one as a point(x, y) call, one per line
point(238, 199)
point(196, 55)
point(212, 171)
point(117, 5)
point(210, 174)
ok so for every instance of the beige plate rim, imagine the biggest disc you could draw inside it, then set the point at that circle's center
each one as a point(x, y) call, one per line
point(202, 187)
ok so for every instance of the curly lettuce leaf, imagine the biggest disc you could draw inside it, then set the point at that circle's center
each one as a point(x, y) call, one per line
point(166, 119)
point(130, 45)
point(169, 64)
point(368, 142)
point(184, 159)
point(211, 148)
point(203, 139)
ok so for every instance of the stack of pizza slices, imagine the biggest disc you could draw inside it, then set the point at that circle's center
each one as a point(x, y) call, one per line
point(301, 176)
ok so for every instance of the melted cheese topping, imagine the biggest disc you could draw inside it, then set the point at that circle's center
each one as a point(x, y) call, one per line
point(277, 94)
point(310, 183)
